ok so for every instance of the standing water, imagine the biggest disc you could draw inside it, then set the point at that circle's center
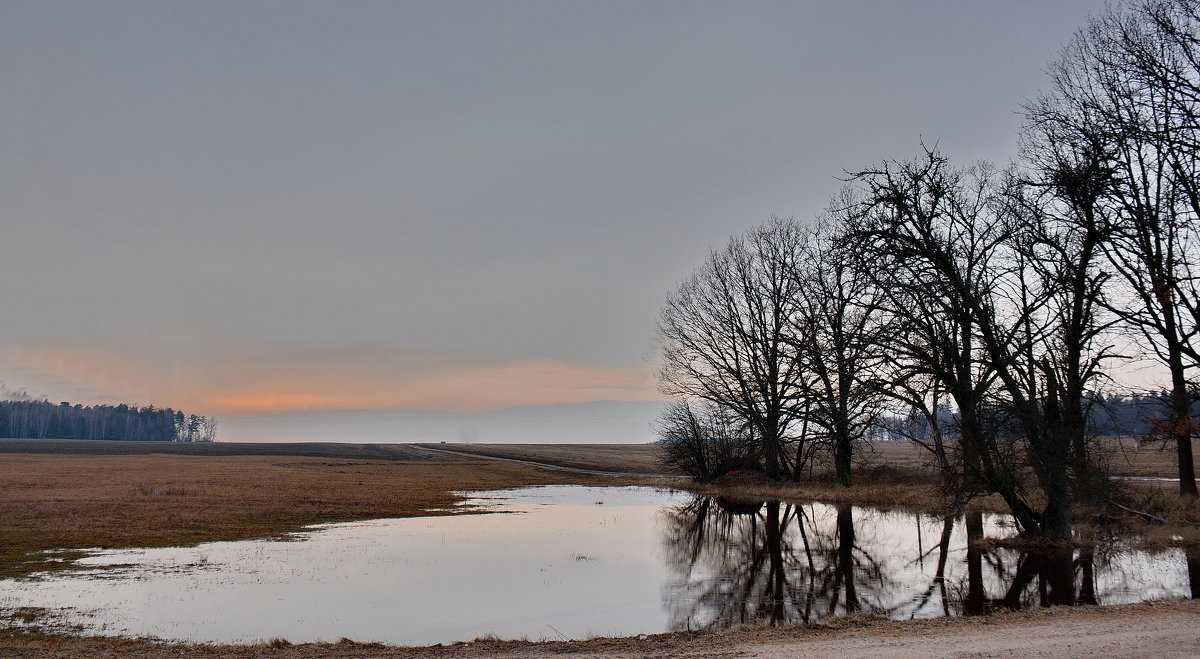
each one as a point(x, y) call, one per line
point(570, 562)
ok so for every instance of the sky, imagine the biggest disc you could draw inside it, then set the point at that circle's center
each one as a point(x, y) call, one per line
point(466, 211)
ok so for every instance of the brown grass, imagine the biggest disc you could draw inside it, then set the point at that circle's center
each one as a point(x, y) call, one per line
point(881, 487)
point(1153, 459)
point(77, 501)
point(894, 474)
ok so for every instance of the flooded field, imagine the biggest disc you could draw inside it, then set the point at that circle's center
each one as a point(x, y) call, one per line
point(573, 562)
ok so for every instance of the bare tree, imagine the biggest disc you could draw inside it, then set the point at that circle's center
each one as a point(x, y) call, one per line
point(837, 344)
point(1125, 93)
point(1017, 292)
point(725, 336)
point(919, 235)
point(705, 440)
point(1066, 229)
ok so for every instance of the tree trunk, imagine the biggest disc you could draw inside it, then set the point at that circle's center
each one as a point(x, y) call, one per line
point(842, 454)
point(1181, 426)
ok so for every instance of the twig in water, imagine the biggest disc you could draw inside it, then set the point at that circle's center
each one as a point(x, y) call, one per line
point(1151, 517)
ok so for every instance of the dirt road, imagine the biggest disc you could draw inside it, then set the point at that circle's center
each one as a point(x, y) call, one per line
point(1145, 632)
point(1163, 629)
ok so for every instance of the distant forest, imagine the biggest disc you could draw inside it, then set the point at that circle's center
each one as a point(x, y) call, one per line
point(1135, 414)
point(40, 419)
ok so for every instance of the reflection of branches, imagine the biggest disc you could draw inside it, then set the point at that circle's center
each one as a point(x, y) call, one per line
point(1055, 574)
point(938, 583)
point(768, 563)
point(1047, 577)
point(776, 563)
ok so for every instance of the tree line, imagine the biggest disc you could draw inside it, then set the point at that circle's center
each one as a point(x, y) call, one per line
point(40, 419)
point(1010, 295)
point(1135, 414)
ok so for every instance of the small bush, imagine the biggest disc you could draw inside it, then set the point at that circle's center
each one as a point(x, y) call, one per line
point(705, 441)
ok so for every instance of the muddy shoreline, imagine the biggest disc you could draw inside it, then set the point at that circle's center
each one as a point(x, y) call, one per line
point(1169, 628)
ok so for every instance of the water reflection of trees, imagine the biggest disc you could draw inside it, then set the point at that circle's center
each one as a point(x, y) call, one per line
point(1193, 568)
point(765, 563)
point(773, 563)
point(1045, 577)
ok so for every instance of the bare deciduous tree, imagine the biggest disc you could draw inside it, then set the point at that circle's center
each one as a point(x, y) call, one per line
point(926, 237)
point(1125, 94)
point(725, 336)
point(1018, 289)
point(837, 343)
point(705, 440)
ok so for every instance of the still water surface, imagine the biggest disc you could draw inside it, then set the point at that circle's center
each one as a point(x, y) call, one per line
point(573, 562)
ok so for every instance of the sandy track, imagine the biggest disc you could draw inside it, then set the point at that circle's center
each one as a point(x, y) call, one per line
point(1145, 634)
point(1163, 629)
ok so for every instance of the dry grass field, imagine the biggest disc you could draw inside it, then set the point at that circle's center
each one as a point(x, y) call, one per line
point(404, 452)
point(1157, 460)
point(1151, 460)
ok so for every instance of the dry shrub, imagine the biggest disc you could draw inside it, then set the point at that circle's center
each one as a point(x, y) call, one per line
point(850, 621)
point(744, 478)
point(143, 489)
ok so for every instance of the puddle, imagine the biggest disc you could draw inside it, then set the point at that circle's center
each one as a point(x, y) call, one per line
point(577, 562)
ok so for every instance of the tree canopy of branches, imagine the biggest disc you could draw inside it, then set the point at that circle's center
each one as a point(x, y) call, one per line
point(995, 300)
point(725, 336)
point(1121, 125)
point(838, 342)
point(772, 332)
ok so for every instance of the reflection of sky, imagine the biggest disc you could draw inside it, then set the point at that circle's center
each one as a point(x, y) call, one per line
point(574, 561)
point(560, 560)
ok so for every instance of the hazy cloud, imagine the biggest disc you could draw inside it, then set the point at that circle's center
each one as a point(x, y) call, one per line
point(264, 378)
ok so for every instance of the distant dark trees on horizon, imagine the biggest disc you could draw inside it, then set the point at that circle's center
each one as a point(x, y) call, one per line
point(40, 419)
point(1136, 415)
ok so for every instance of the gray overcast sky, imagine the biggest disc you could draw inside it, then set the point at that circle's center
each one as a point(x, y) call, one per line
point(300, 197)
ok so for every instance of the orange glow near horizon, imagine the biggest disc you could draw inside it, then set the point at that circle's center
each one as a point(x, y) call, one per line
point(274, 381)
